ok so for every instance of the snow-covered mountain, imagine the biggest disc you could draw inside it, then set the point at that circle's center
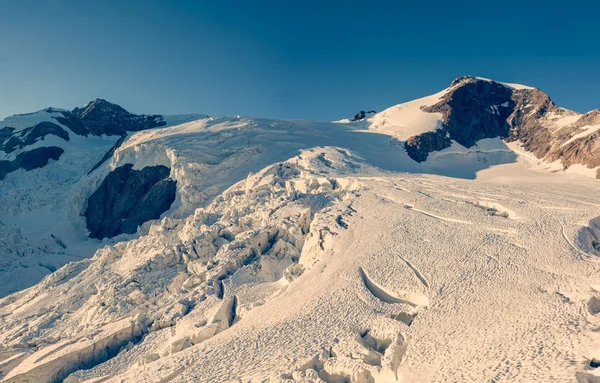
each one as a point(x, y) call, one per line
point(450, 238)
point(45, 158)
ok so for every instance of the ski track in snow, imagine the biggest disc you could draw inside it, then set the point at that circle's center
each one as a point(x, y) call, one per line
point(416, 271)
point(412, 208)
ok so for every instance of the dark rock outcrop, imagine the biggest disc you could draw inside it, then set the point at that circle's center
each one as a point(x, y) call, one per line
point(71, 121)
point(5, 133)
point(477, 109)
point(419, 147)
point(30, 160)
point(29, 136)
point(101, 117)
point(473, 110)
point(127, 198)
point(361, 115)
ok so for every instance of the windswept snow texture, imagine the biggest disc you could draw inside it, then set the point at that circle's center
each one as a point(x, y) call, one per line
point(324, 268)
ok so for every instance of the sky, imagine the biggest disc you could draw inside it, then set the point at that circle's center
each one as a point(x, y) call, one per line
point(320, 60)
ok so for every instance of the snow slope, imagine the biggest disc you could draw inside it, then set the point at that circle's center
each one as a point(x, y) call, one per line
point(299, 251)
point(38, 208)
point(325, 266)
point(404, 120)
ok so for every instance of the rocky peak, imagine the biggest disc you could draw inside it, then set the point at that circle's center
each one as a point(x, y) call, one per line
point(590, 118)
point(97, 107)
point(533, 102)
point(475, 109)
point(472, 109)
point(362, 115)
point(462, 79)
point(102, 117)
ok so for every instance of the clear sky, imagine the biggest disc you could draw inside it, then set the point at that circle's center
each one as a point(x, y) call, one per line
point(289, 58)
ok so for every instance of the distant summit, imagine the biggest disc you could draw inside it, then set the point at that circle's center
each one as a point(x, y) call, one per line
point(102, 117)
point(22, 134)
point(362, 115)
point(475, 108)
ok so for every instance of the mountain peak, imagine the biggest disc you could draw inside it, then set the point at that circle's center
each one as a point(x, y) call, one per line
point(103, 117)
point(98, 105)
point(468, 79)
point(462, 79)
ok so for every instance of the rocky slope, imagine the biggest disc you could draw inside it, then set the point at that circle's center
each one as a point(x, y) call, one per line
point(101, 117)
point(127, 198)
point(473, 109)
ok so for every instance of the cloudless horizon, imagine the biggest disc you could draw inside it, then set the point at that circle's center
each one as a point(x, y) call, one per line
point(320, 60)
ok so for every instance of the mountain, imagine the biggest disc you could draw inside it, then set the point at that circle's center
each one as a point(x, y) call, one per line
point(101, 117)
point(450, 238)
point(44, 159)
point(474, 109)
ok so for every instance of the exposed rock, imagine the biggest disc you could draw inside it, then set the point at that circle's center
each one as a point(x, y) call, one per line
point(461, 79)
point(478, 109)
point(29, 136)
point(362, 115)
point(72, 122)
point(419, 147)
point(525, 120)
point(102, 117)
point(32, 159)
point(473, 110)
point(127, 198)
point(530, 127)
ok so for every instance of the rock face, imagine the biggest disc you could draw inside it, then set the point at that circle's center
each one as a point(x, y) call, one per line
point(69, 120)
point(475, 110)
point(30, 160)
point(127, 198)
point(472, 110)
point(526, 121)
point(568, 144)
point(362, 115)
point(101, 117)
point(419, 147)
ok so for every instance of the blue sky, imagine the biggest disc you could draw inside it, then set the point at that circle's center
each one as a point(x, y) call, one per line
point(288, 59)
